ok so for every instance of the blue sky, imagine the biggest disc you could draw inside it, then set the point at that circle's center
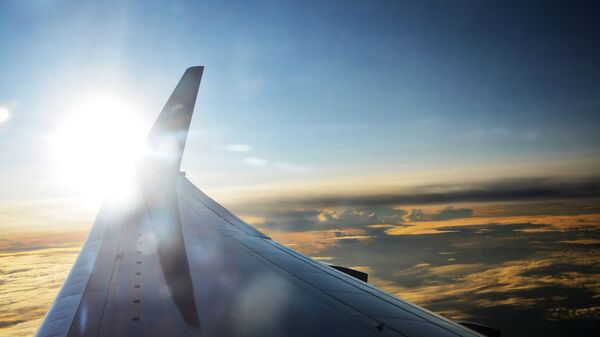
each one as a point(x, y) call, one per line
point(317, 91)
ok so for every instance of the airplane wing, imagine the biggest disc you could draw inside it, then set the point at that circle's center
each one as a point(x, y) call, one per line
point(173, 262)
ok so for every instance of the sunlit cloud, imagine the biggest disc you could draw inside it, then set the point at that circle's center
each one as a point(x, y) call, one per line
point(501, 272)
point(360, 217)
point(591, 313)
point(544, 223)
point(506, 284)
point(323, 258)
point(276, 165)
point(313, 242)
point(293, 220)
point(447, 213)
point(30, 280)
point(456, 275)
point(484, 259)
point(583, 242)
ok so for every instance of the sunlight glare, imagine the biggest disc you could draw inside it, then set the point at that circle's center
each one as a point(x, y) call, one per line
point(97, 146)
point(4, 114)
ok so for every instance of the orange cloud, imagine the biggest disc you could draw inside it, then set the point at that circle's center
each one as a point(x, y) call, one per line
point(313, 242)
point(553, 222)
point(473, 283)
point(30, 281)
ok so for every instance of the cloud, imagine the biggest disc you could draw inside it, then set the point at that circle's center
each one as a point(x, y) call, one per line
point(513, 283)
point(313, 242)
point(30, 279)
point(542, 268)
point(255, 161)
point(262, 162)
point(292, 220)
point(326, 219)
point(583, 242)
point(530, 189)
point(243, 148)
point(281, 166)
point(530, 224)
point(360, 217)
point(447, 213)
point(592, 313)
point(490, 272)
point(487, 262)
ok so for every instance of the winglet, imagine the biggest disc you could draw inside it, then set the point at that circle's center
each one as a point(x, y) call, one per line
point(159, 174)
point(168, 135)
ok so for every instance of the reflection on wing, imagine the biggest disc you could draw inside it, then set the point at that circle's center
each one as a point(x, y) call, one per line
point(176, 263)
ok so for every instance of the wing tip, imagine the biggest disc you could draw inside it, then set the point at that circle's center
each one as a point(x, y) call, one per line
point(195, 69)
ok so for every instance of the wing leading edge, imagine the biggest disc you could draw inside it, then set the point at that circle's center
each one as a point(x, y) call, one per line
point(177, 263)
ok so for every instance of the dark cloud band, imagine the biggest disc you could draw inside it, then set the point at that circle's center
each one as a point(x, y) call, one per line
point(535, 189)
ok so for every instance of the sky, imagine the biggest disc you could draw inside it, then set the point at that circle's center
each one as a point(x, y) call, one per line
point(445, 148)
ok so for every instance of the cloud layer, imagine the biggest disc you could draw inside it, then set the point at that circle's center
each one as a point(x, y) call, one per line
point(487, 262)
point(30, 277)
point(511, 190)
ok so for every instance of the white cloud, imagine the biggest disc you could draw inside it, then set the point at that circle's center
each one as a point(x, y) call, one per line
point(254, 161)
point(277, 165)
point(244, 148)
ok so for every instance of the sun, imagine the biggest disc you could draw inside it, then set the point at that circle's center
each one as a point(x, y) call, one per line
point(97, 145)
point(4, 114)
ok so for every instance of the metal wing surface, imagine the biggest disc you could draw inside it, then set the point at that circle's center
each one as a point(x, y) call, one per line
point(173, 262)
